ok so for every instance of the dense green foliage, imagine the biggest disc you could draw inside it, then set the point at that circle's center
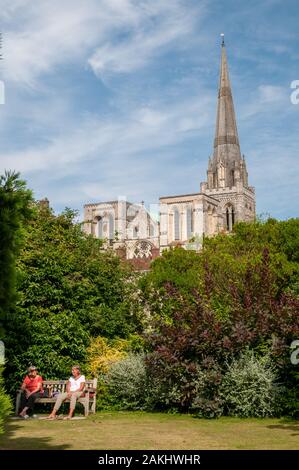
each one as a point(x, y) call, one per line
point(228, 259)
point(205, 309)
point(247, 386)
point(15, 211)
point(127, 383)
point(5, 403)
point(222, 267)
point(70, 290)
point(250, 388)
point(177, 268)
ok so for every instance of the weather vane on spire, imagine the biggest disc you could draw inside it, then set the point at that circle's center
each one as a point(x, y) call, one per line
point(222, 35)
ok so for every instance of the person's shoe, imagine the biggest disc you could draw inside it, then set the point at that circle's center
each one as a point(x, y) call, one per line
point(34, 416)
point(23, 416)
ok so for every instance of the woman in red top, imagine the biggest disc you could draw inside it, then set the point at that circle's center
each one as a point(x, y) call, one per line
point(32, 389)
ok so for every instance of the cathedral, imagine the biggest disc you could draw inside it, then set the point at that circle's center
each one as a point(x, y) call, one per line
point(224, 199)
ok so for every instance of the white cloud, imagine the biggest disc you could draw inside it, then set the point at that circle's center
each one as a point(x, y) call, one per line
point(265, 99)
point(272, 94)
point(53, 32)
point(156, 29)
point(141, 130)
point(112, 35)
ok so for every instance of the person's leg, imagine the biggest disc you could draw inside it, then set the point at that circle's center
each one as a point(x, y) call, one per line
point(73, 401)
point(24, 404)
point(61, 397)
point(31, 401)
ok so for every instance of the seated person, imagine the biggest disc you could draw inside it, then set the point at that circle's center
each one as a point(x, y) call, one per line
point(32, 388)
point(74, 390)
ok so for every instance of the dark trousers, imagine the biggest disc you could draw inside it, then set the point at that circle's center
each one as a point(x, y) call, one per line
point(29, 401)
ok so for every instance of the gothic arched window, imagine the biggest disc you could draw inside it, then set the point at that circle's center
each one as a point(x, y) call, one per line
point(230, 217)
point(100, 227)
point(111, 227)
point(176, 215)
point(227, 219)
point(189, 222)
point(135, 232)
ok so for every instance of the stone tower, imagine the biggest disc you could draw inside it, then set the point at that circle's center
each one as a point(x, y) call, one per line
point(185, 219)
point(227, 177)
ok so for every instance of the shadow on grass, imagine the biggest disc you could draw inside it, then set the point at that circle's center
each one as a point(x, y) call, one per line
point(8, 441)
point(286, 425)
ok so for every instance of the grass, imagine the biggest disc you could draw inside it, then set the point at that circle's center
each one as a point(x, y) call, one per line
point(140, 430)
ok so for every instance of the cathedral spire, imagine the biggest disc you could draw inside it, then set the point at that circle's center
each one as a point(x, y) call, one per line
point(226, 143)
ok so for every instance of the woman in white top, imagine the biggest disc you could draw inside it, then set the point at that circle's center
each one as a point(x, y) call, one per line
point(74, 390)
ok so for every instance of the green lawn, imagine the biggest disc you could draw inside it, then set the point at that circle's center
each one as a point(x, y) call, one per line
point(138, 430)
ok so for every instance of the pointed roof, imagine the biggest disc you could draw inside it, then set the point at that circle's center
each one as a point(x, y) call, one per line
point(226, 143)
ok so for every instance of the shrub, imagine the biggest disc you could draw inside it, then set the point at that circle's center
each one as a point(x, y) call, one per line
point(259, 317)
point(166, 384)
point(288, 402)
point(184, 386)
point(5, 404)
point(207, 402)
point(126, 382)
point(248, 388)
point(101, 355)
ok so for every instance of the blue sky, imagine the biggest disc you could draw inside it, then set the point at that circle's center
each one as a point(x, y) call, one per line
point(118, 97)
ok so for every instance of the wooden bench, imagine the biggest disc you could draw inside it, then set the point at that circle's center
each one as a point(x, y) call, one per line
point(54, 387)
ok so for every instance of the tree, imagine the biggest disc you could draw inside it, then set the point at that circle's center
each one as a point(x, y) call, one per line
point(15, 212)
point(177, 268)
point(5, 403)
point(222, 265)
point(70, 291)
